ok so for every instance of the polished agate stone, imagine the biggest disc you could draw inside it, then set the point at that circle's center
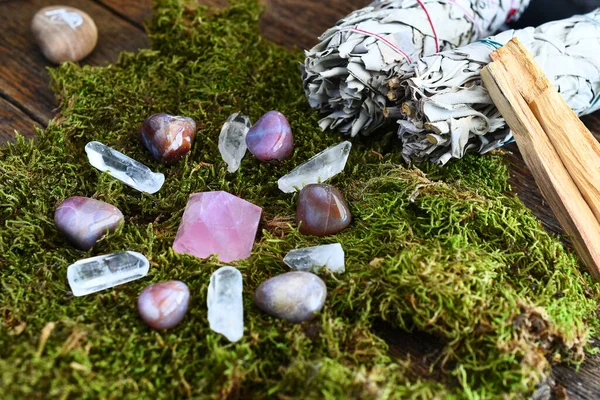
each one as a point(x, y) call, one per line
point(322, 210)
point(295, 296)
point(270, 139)
point(84, 221)
point(163, 305)
point(169, 138)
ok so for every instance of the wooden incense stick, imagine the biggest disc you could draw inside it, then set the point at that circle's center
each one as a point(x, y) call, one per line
point(522, 96)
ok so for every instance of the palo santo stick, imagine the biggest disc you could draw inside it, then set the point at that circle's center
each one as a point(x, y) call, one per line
point(576, 146)
point(551, 175)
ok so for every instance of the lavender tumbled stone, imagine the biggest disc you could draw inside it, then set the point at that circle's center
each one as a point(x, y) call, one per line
point(84, 221)
point(270, 139)
point(294, 296)
point(163, 305)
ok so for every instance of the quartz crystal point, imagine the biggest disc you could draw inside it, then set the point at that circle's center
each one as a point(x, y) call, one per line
point(218, 223)
point(225, 305)
point(127, 170)
point(168, 137)
point(294, 296)
point(319, 168)
point(232, 140)
point(312, 259)
point(98, 273)
point(84, 221)
point(163, 305)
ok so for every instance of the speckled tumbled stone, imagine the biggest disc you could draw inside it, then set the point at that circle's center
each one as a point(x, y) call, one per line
point(322, 210)
point(270, 139)
point(84, 221)
point(163, 305)
point(294, 296)
point(168, 137)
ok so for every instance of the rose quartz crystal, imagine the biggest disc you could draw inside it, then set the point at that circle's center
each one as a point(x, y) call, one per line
point(217, 223)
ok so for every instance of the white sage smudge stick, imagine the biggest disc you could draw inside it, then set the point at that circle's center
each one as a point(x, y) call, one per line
point(345, 74)
point(449, 111)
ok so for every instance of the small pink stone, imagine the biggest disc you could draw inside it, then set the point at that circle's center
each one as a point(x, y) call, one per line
point(218, 223)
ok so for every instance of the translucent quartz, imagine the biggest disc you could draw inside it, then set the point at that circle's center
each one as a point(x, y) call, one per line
point(127, 170)
point(217, 223)
point(98, 273)
point(319, 168)
point(232, 140)
point(225, 305)
point(312, 259)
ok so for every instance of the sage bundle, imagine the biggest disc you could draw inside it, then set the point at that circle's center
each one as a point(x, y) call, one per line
point(345, 75)
point(448, 110)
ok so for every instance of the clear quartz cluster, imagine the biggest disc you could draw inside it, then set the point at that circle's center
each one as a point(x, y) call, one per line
point(225, 303)
point(127, 170)
point(232, 140)
point(319, 168)
point(98, 273)
point(312, 259)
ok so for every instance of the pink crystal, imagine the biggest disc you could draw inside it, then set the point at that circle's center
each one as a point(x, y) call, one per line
point(218, 223)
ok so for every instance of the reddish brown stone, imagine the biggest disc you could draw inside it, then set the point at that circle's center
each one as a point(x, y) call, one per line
point(169, 138)
point(322, 210)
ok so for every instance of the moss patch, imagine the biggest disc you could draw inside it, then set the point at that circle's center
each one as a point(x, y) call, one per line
point(447, 252)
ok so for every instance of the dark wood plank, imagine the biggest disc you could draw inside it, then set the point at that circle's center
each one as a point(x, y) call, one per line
point(12, 119)
point(286, 22)
point(583, 384)
point(23, 78)
point(135, 11)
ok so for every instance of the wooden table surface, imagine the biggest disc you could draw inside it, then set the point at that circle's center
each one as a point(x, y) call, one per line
point(26, 102)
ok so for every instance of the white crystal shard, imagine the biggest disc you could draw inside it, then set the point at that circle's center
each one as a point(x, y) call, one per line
point(98, 273)
point(319, 168)
point(127, 170)
point(224, 301)
point(312, 259)
point(232, 140)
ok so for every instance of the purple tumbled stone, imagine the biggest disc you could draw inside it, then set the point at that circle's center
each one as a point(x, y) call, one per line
point(84, 221)
point(168, 137)
point(294, 296)
point(322, 210)
point(270, 139)
point(163, 305)
point(218, 223)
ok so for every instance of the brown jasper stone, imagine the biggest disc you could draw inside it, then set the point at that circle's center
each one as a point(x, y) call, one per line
point(322, 210)
point(169, 138)
point(64, 33)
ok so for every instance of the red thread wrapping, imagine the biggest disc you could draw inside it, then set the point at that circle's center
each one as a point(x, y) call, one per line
point(437, 41)
point(384, 40)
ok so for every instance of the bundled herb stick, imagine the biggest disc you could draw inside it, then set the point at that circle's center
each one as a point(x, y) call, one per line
point(449, 111)
point(345, 74)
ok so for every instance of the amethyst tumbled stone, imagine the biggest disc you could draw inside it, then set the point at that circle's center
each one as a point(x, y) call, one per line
point(270, 139)
point(84, 221)
point(294, 296)
point(322, 210)
point(163, 305)
point(169, 138)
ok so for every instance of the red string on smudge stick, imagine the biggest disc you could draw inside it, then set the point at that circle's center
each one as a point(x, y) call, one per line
point(437, 41)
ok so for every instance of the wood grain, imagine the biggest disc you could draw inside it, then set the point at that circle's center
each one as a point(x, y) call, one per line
point(12, 119)
point(23, 77)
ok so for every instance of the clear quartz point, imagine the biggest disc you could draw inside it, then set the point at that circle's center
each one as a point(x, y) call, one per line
point(127, 170)
point(312, 259)
point(225, 305)
point(98, 273)
point(319, 168)
point(232, 140)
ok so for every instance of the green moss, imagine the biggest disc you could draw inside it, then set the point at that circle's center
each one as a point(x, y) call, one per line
point(444, 251)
